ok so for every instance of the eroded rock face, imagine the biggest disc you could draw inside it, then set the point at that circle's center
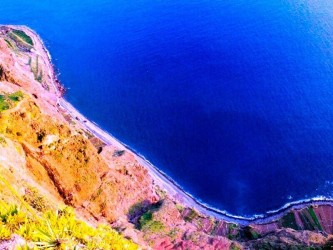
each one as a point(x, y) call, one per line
point(43, 146)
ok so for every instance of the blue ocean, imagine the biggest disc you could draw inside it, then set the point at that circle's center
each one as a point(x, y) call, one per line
point(233, 99)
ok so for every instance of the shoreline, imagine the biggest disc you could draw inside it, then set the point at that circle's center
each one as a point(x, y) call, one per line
point(166, 183)
point(176, 192)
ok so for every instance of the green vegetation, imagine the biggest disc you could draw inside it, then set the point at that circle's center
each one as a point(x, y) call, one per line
point(3, 103)
point(305, 218)
point(251, 234)
point(22, 35)
point(147, 223)
point(16, 96)
point(289, 221)
point(255, 235)
point(142, 214)
point(310, 220)
point(315, 219)
point(18, 40)
point(8, 101)
point(136, 208)
point(233, 231)
point(144, 219)
point(141, 208)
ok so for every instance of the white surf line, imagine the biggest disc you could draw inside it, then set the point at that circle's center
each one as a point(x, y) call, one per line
point(174, 190)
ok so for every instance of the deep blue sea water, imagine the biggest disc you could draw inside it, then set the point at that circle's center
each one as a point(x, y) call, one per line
point(231, 98)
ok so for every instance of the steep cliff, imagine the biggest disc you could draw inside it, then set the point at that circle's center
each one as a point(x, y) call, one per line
point(49, 159)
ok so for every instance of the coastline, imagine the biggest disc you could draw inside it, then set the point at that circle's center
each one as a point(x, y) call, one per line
point(175, 191)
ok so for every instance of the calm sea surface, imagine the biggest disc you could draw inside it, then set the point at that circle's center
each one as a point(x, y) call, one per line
point(233, 99)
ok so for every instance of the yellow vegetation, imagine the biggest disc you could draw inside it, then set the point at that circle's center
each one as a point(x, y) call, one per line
point(58, 229)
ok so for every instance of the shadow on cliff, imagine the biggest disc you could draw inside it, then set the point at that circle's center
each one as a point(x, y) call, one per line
point(137, 210)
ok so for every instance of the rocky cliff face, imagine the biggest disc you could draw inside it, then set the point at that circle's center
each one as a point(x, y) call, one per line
point(44, 148)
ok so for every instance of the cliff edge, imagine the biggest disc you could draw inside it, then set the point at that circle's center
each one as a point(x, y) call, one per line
point(57, 166)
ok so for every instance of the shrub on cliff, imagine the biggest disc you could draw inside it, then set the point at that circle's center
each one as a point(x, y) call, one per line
point(8, 101)
point(3, 103)
point(147, 223)
point(16, 96)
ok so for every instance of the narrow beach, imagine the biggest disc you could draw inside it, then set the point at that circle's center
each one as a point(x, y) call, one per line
point(161, 179)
